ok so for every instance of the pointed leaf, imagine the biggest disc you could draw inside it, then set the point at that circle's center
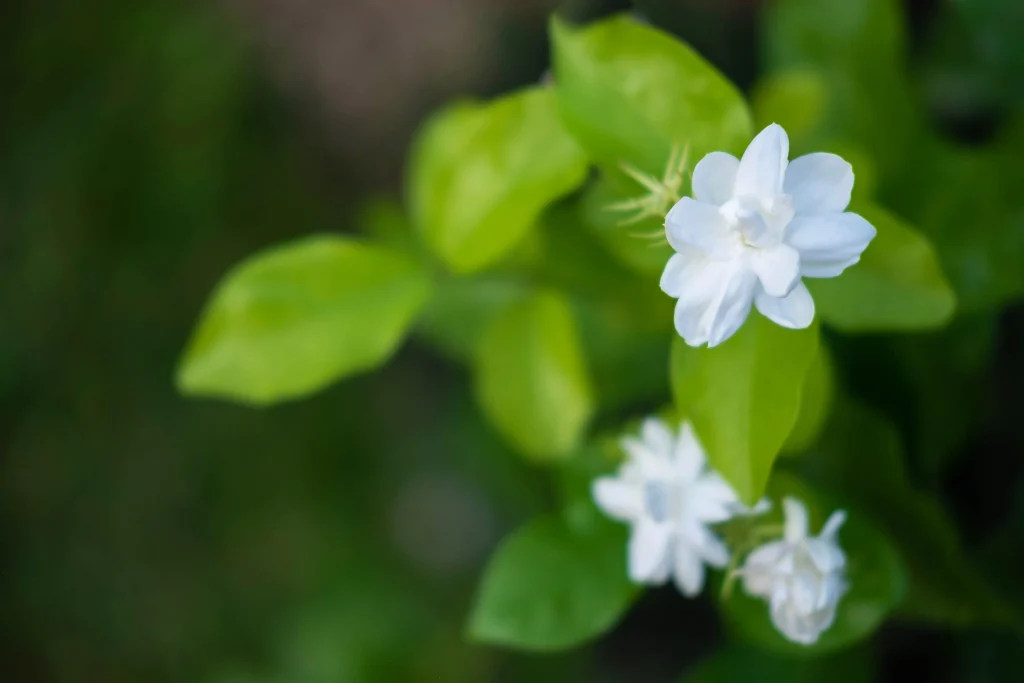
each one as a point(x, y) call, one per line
point(295, 318)
point(744, 396)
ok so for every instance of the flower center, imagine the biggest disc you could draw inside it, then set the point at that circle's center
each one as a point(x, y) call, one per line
point(760, 223)
point(657, 500)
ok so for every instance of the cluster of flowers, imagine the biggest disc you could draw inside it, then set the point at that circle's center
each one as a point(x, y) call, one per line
point(672, 500)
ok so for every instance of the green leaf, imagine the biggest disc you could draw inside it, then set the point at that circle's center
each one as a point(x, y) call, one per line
point(897, 286)
point(744, 396)
point(740, 664)
point(531, 378)
point(482, 172)
point(815, 402)
point(874, 572)
point(295, 318)
point(860, 457)
point(551, 586)
point(629, 92)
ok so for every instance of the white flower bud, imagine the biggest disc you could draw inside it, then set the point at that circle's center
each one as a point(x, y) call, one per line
point(801, 576)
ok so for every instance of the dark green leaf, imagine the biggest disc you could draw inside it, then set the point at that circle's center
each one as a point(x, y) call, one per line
point(551, 586)
point(860, 457)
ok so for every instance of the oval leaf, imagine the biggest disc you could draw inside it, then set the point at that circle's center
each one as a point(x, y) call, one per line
point(629, 92)
point(877, 581)
point(551, 587)
point(293, 319)
point(897, 286)
point(744, 396)
point(531, 379)
point(482, 172)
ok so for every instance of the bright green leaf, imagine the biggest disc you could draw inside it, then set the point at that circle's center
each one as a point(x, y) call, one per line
point(897, 286)
point(293, 319)
point(551, 586)
point(481, 173)
point(744, 396)
point(873, 569)
point(531, 378)
point(815, 402)
point(629, 92)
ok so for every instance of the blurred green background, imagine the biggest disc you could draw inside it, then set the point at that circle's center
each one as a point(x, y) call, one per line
point(148, 145)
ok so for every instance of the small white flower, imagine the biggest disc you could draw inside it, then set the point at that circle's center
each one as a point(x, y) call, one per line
point(801, 576)
point(754, 228)
point(666, 493)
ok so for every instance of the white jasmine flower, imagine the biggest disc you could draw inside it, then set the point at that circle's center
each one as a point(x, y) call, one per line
point(801, 576)
point(669, 497)
point(754, 227)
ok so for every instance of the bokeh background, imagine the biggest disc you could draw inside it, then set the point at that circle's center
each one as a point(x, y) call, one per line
point(146, 146)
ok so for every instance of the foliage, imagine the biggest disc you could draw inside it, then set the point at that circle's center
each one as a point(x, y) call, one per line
point(536, 311)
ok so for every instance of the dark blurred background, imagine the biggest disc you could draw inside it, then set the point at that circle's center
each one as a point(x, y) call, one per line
point(148, 145)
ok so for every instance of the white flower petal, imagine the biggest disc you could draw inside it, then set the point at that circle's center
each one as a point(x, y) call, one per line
point(796, 519)
point(617, 499)
point(819, 183)
point(711, 500)
point(676, 273)
point(694, 224)
point(730, 309)
point(820, 269)
point(701, 290)
point(778, 268)
point(795, 311)
point(713, 550)
point(714, 177)
point(828, 243)
point(689, 455)
point(689, 570)
point(832, 524)
point(657, 437)
point(827, 557)
point(649, 551)
point(763, 166)
point(759, 570)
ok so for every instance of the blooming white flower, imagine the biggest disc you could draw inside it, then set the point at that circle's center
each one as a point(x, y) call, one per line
point(801, 576)
point(667, 494)
point(754, 227)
